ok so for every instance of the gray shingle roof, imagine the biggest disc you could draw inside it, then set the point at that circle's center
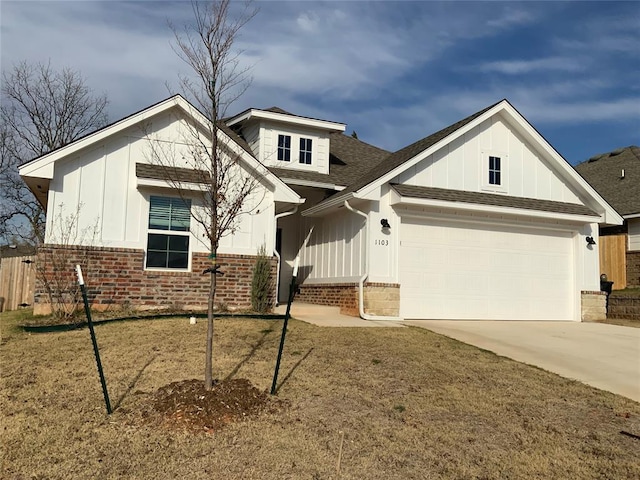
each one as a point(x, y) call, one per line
point(480, 198)
point(279, 110)
point(604, 173)
point(160, 172)
point(348, 158)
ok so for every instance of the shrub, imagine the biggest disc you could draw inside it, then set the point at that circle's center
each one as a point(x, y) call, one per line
point(261, 289)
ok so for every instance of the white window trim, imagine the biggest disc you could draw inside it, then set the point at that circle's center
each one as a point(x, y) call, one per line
point(284, 149)
point(300, 138)
point(165, 232)
point(484, 171)
point(294, 160)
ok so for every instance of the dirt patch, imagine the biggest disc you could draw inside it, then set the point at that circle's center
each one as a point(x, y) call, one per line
point(186, 405)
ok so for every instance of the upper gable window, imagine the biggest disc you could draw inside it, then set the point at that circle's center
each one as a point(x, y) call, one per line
point(305, 150)
point(494, 171)
point(284, 148)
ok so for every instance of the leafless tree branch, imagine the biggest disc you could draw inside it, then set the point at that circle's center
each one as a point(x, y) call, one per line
point(225, 183)
point(42, 109)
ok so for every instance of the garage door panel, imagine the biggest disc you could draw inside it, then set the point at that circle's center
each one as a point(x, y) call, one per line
point(453, 270)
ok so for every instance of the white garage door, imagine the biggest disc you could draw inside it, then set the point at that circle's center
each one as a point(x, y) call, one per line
point(453, 270)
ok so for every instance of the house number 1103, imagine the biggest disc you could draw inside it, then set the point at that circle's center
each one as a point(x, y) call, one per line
point(384, 243)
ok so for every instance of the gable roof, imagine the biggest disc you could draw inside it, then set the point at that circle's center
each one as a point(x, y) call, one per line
point(604, 173)
point(398, 158)
point(42, 167)
point(398, 162)
point(348, 158)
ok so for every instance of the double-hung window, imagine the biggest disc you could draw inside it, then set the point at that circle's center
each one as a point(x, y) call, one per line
point(284, 148)
point(168, 233)
point(305, 150)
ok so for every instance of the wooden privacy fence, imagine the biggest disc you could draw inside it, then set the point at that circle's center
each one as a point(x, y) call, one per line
point(613, 251)
point(17, 282)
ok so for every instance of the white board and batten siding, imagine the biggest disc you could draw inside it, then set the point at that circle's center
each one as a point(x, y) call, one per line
point(461, 165)
point(100, 185)
point(334, 246)
point(268, 152)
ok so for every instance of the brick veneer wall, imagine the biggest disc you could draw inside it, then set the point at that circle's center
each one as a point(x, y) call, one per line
point(633, 269)
point(116, 278)
point(379, 298)
point(343, 295)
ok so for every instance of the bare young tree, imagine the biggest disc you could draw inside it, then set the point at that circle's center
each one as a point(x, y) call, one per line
point(42, 109)
point(228, 188)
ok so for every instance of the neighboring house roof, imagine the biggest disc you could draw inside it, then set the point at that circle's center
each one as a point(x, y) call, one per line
point(604, 173)
point(348, 158)
point(496, 200)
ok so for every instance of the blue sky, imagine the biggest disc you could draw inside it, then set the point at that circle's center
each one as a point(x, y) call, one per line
point(393, 71)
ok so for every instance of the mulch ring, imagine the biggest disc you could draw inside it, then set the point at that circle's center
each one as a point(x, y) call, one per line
point(186, 405)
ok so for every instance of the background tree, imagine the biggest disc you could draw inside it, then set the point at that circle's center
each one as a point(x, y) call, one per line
point(42, 109)
point(217, 80)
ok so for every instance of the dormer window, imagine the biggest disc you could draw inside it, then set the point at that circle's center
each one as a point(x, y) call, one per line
point(494, 171)
point(305, 151)
point(284, 148)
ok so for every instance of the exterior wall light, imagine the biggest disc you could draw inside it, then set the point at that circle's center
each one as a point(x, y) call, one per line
point(385, 223)
point(590, 241)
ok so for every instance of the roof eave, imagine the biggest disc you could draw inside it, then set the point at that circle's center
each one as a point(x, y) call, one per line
point(281, 117)
point(325, 207)
point(399, 200)
point(310, 183)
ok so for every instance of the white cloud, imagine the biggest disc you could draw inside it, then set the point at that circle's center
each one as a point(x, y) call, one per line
point(395, 72)
point(518, 67)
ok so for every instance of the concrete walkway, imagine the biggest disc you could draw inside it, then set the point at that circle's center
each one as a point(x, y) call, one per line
point(603, 356)
point(324, 316)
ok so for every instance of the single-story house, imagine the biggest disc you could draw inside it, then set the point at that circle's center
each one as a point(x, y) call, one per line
point(616, 176)
point(480, 220)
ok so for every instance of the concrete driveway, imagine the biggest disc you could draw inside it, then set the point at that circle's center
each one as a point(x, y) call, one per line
point(603, 356)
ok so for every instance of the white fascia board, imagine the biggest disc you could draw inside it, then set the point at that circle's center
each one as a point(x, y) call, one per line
point(43, 166)
point(397, 199)
point(281, 117)
point(610, 216)
point(321, 208)
point(157, 183)
point(309, 183)
point(37, 171)
point(369, 189)
point(632, 216)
